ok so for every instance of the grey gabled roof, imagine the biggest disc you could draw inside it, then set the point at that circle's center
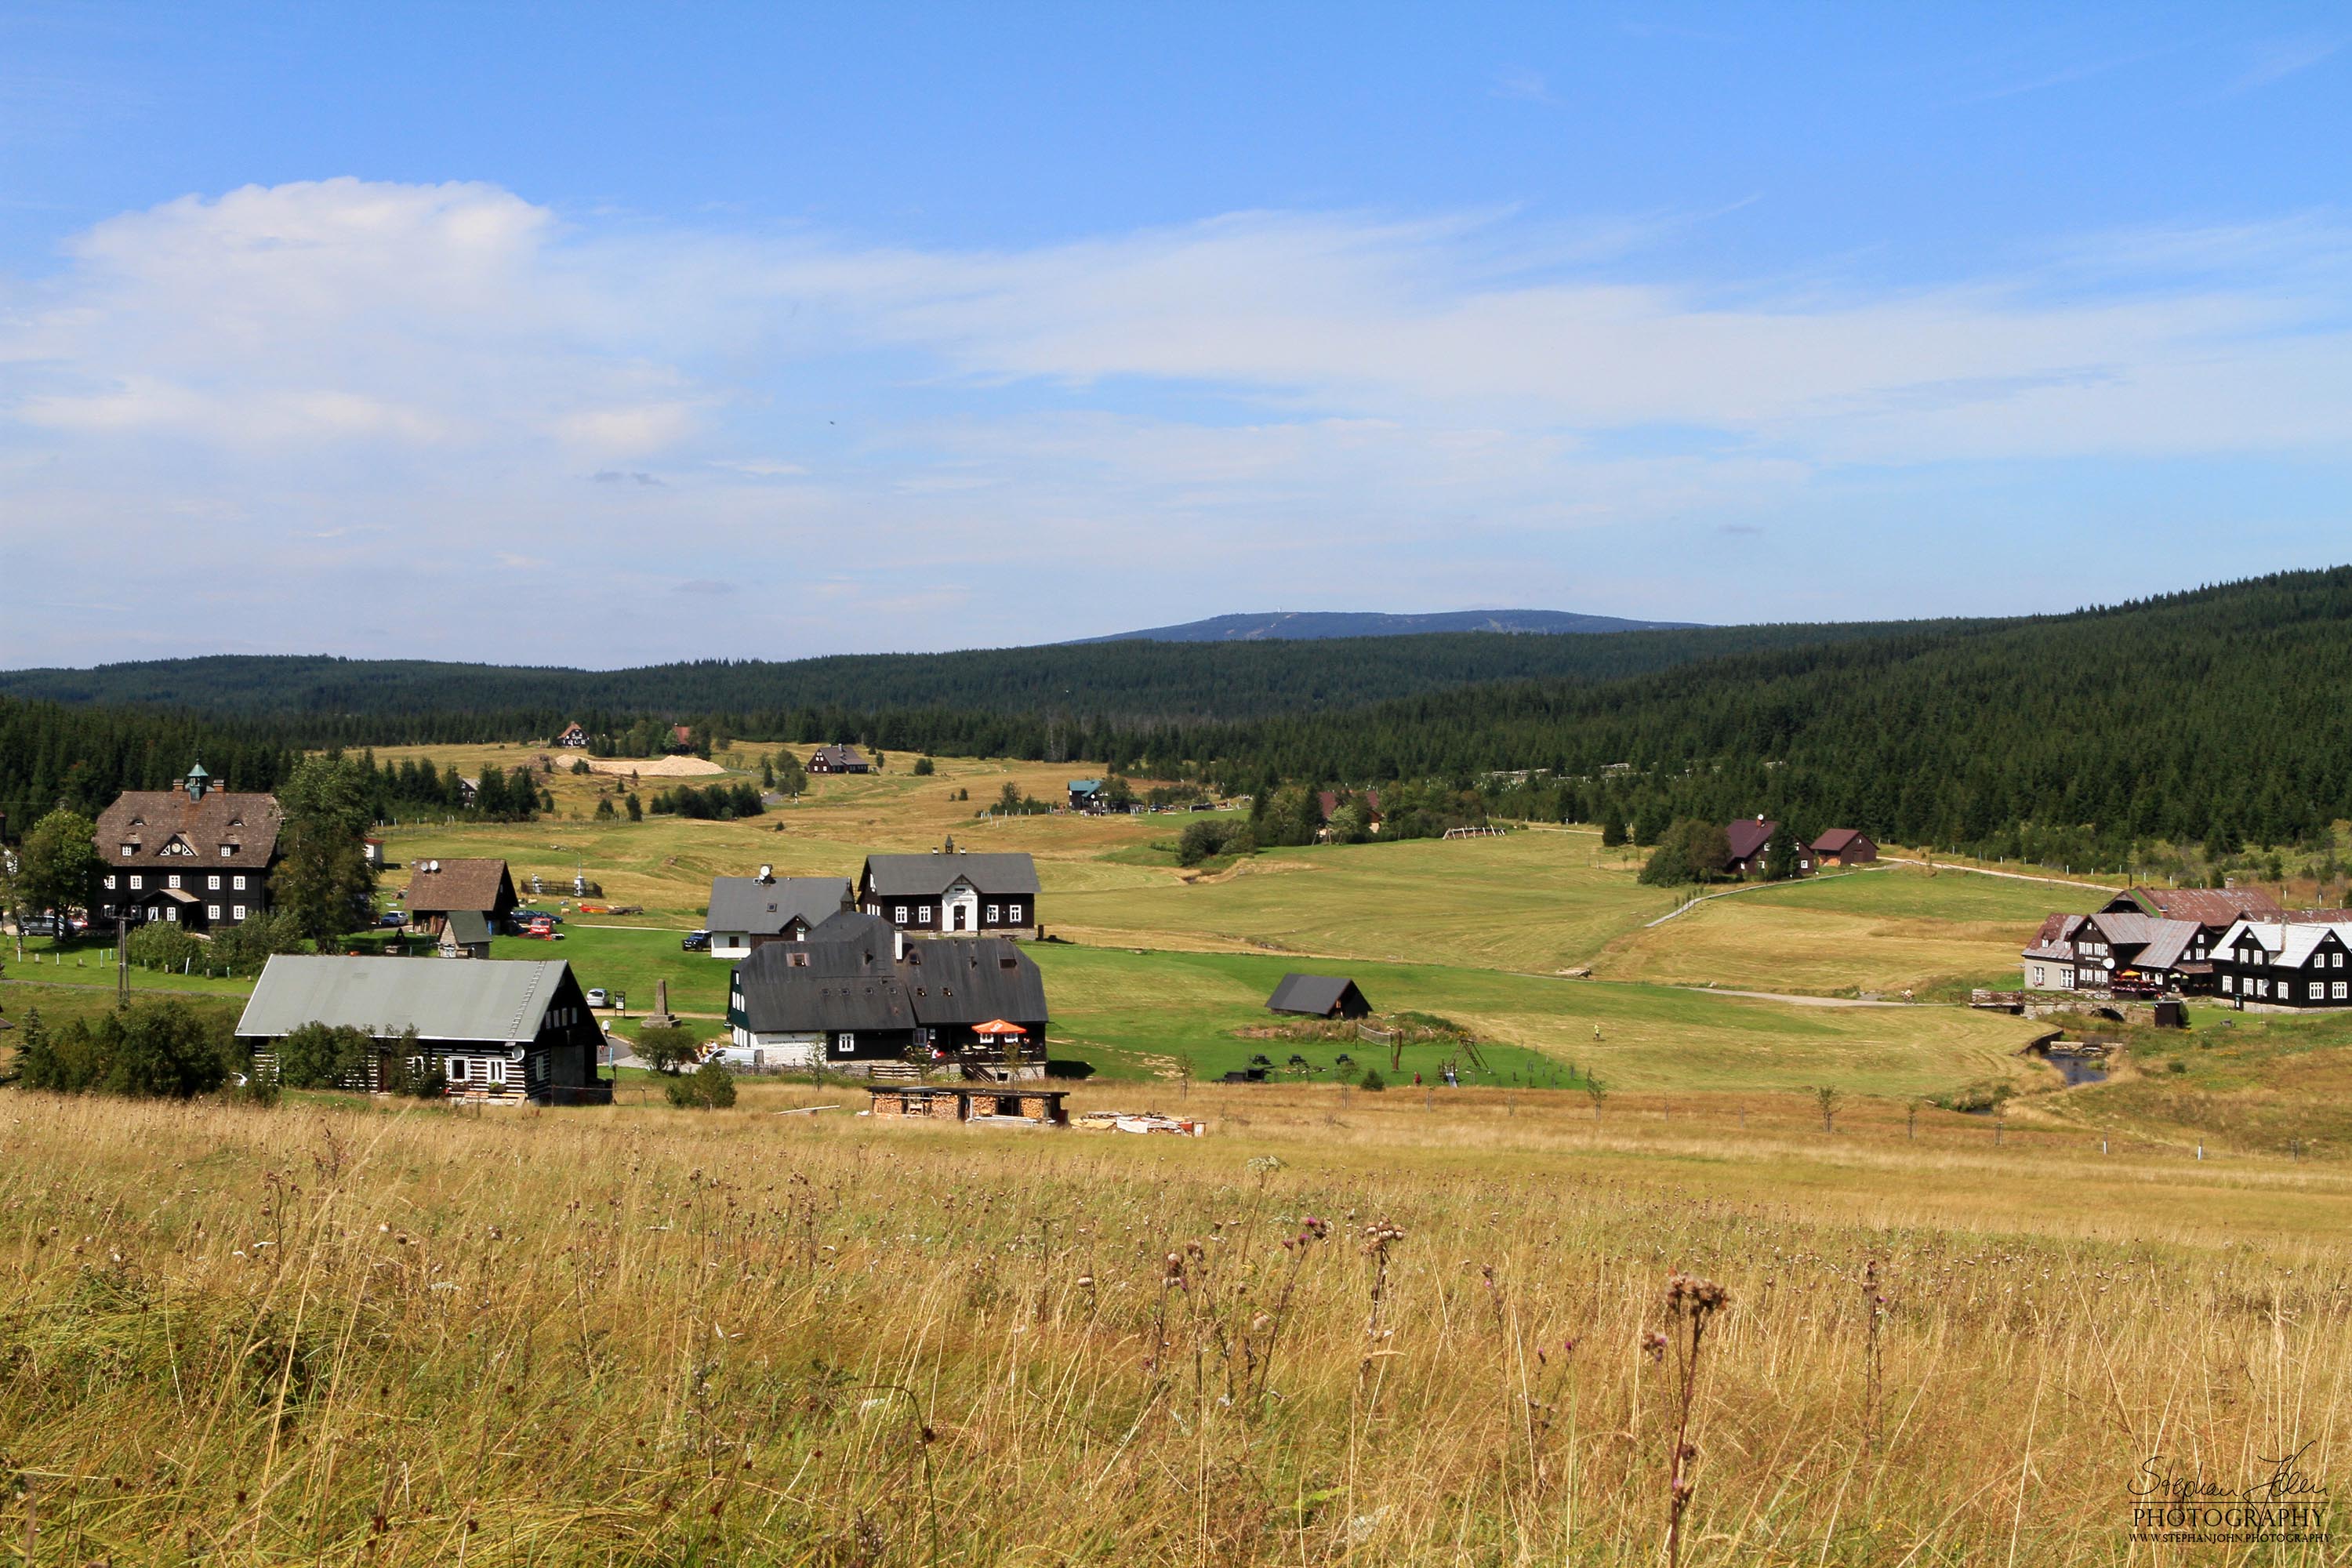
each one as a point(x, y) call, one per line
point(489, 999)
point(468, 926)
point(765, 908)
point(855, 926)
point(1316, 993)
point(911, 876)
point(971, 980)
point(807, 987)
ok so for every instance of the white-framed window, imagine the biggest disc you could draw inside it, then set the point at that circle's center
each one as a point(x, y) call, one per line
point(172, 881)
point(2337, 990)
point(2317, 991)
point(2229, 983)
point(1013, 913)
point(898, 914)
point(494, 1071)
point(456, 1069)
point(992, 914)
point(129, 851)
point(137, 882)
point(843, 1043)
point(109, 882)
point(2038, 974)
point(237, 882)
point(211, 911)
point(227, 851)
point(924, 915)
point(212, 884)
point(240, 913)
point(2262, 987)
point(171, 911)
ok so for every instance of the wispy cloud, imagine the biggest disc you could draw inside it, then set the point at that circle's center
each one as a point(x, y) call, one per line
point(2275, 60)
point(1526, 86)
point(398, 391)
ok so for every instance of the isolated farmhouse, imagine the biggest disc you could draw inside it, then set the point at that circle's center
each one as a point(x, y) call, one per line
point(197, 855)
point(838, 759)
point(500, 1033)
point(1319, 996)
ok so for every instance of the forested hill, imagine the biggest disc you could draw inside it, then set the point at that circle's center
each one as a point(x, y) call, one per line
point(1309, 625)
point(391, 701)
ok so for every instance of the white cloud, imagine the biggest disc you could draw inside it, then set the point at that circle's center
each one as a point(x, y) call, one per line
point(424, 375)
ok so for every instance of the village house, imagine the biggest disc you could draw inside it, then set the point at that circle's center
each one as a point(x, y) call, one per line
point(838, 759)
point(437, 888)
point(856, 993)
point(500, 1032)
point(197, 855)
point(466, 933)
point(1750, 839)
point(2284, 963)
point(1845, 846)
point(571, 735)
point(1319, 996)
point(1086, 795)
point(948, 891)
point(747, 912)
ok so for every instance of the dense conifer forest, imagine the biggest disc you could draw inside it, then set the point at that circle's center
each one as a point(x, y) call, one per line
point(2221, 716)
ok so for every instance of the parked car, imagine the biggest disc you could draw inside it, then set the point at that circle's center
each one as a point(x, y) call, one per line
point(392, 918)
point(696, 942)
point(597, 998)
point(542, 932)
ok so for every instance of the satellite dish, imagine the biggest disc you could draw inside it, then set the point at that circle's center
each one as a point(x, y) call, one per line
point(514, 1053)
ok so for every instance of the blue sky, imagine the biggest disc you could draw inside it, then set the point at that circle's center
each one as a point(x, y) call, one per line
point(609, 335)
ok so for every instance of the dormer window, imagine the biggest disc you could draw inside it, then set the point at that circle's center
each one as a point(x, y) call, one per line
point(227, 851)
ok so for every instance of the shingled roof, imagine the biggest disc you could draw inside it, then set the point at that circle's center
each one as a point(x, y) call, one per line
point(926, 876)
point(807, 987)
point(437, 886)
point(767, 907)
point(1748, 834)
point(147, 821)
point(2206, 906)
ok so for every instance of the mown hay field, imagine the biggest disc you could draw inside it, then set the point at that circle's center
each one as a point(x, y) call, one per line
point(1369, 1332)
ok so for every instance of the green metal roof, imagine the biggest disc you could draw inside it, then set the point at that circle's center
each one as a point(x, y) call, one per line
point(488, 999)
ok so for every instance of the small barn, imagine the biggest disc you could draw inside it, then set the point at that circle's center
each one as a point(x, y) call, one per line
point(466, 933)
point(1845, 846)
point(1319, 996)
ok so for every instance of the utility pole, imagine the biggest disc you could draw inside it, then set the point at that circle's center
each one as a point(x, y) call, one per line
point(122, 961)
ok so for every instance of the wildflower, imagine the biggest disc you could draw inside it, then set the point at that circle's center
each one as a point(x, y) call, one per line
point(1653, 1345)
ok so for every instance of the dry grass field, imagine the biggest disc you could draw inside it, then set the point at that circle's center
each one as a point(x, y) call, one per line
point(1361, 1330)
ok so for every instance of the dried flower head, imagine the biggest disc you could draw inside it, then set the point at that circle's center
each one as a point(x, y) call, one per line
point(1688, 1295)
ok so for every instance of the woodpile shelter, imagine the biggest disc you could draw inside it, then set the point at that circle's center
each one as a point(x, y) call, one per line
point(1027, 1104)
point(197, 855)
point(438, 888)
point(500, 1032)
point(1319, 996)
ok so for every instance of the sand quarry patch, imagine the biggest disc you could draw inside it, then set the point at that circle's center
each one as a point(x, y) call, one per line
point(655, 767)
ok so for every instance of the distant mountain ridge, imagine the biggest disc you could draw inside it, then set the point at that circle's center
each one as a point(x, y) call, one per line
point(1309, 626)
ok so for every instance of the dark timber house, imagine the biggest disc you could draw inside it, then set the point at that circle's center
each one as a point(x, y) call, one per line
point(195, 855)
point(439, 889)
point(2284, 963)
point(951, 893)
point(1319, 996)
point(856, 993)
point(501, 1032)
point(838, 759)
point(747, 912)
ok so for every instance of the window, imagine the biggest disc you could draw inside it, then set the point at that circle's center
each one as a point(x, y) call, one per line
point(1013, 913)
point(138, 882)
point(237, 882)
point(898, 914)
point(129, 851)
point(2038, 972)
point(992, 914)
point(211, 911)
point(212, 884)
point(843, 1043)
point(2338, 991)
point(109, 882)
point(925, 914)
point(2316, 990)
point(494, 1071)
point(172, 912)
point(2262, 987)
point(172, 881)
point(2229, 983)
point(240, 913)
point(227, 851)
point(456, 1069)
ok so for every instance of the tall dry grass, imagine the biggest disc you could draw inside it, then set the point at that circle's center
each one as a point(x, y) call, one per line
point(648, 1337)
